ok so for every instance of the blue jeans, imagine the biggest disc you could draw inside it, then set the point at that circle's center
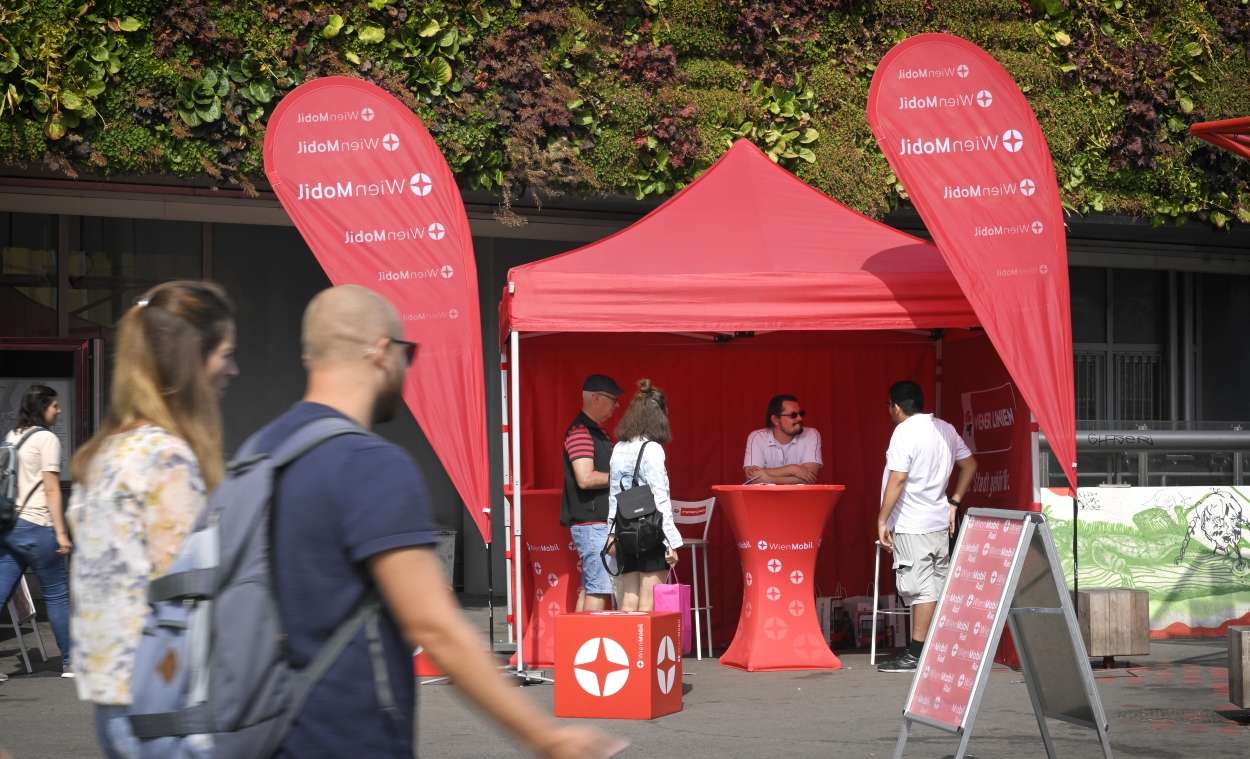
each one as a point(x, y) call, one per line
point(588, 539)
point(113, 730)
point(29, 545)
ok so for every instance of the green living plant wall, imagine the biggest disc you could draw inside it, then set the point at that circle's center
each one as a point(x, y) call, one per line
point(637, 97)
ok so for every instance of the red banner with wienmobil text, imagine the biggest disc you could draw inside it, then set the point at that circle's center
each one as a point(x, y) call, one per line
point(965, 144)
point(376, 202)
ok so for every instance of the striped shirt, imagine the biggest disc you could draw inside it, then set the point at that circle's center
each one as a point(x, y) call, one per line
point(579, 444)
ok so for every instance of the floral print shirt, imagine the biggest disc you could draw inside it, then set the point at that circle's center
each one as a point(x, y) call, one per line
point(143, 494)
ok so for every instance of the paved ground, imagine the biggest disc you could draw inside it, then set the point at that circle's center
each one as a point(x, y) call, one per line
point(1170, 708)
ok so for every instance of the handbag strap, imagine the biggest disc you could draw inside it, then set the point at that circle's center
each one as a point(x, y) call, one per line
point(35, 487)
point(633, 477)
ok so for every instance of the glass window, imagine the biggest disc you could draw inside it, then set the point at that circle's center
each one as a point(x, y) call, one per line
point(1089, 304)
point(1140, 307)
point(28, 274)
point(113, 261)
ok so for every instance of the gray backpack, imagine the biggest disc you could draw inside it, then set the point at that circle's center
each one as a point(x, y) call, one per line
point(211, 678)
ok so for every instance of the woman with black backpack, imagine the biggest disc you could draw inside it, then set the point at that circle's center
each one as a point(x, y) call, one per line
point(38, 539)
point(645, 539)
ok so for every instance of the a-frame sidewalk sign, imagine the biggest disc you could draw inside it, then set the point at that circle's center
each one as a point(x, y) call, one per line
point(1004, 569)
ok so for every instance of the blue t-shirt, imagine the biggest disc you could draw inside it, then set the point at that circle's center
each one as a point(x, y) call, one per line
point(349, 499)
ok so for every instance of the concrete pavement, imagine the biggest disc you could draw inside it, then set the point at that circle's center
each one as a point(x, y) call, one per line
point(1169, 708)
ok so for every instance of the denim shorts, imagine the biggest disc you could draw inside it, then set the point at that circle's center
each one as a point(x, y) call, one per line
point(588, 539)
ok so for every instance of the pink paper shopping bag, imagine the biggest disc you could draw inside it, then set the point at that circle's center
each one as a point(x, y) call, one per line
point(674, 596)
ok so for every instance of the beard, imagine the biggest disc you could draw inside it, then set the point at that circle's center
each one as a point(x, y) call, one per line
point(386, 405)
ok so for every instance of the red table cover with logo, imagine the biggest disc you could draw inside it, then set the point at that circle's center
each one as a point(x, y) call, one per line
point(372, 196)
point(778, 530)
point(618, 664)
point(958, 643)
point(966, 145)
point(551, 575)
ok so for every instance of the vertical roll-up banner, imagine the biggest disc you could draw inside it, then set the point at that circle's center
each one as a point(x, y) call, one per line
point(376, 202)
point(965, 144)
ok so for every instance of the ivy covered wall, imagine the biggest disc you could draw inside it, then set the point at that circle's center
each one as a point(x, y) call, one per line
point(636, 96)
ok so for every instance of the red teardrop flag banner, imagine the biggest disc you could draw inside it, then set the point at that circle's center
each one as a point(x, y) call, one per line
point(372, 196)
point(967, 147)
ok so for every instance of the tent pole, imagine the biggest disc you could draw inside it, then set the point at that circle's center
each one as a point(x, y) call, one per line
point(503, 390)
point(514, 365)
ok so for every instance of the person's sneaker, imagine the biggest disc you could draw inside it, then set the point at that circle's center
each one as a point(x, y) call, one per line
point(3, 677)
point(68, 670)
point(906, 662)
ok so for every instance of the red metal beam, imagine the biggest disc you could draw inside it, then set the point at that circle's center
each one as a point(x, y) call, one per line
point(1231, 134)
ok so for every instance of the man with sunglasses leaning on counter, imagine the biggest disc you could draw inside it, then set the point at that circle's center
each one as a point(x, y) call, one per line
point(784, 452)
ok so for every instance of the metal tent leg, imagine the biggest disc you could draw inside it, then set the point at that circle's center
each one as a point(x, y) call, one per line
point(707, 603)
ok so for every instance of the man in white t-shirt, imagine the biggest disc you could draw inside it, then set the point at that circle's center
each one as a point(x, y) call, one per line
point(784, 452)
point(917, 517)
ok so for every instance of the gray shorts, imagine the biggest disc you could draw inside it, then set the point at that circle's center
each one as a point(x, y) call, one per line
point(920, 566)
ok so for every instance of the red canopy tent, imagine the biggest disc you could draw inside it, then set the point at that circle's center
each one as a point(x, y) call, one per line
point(826, 304)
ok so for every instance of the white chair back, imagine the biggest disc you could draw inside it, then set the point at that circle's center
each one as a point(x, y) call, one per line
point(694, 512)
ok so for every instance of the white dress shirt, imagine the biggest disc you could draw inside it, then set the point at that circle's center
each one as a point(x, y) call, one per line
point(650, 472)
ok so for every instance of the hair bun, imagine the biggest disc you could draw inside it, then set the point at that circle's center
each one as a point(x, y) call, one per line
point(644, 386)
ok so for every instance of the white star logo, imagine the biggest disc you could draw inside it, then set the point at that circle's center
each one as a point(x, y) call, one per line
point(366, 114)
point(985, 99)
point(1013, 140)
point(667, 653)
point(589, 653)
point(937, 703)
point(985, 549)
point(1027, 187)
point(774, 565)
point(761, 545)
point(775, 628)
point(390, 142)
point(436, 231)
point(571, 546)
point(773, 593)
point(538, 568)
point(994, 576)
point(796, 577)
point(958, 571)
point(962, 70)
point(1043, 268)
point(749, 579)
point(796, 608)
point(1037, 227)
point(553, 608)
point(452, 313)
point(808, 647)
point(747, 609)
point(553, 579)
point(420, 184)
point(954, 650)
point(447, 271)
point(538, 594)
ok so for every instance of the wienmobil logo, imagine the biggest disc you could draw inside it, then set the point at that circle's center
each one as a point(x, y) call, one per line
point(419, 184)
point(919, 102)
point(402, 274)
point(547, 547)
point(318, 117)
point(937, 73)
point(788, 546)
point(614, 654)
point(1001, 230)
point(1024, 187)
point(347, 145)
point(1011, 141)
point(434, 231)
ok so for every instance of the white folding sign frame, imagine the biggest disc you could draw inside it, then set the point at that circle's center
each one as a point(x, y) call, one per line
point(1045, 632)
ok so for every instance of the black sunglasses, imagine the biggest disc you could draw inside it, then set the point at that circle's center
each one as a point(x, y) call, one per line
point(794, 415)
point(410, 349)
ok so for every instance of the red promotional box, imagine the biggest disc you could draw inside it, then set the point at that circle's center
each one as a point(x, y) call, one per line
point(618, 664)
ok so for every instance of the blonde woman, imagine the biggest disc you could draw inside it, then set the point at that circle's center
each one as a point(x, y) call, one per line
point(645, 422)
point(142, 480)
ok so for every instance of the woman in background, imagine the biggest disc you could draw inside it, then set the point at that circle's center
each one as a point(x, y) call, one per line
point(39, 540)
point(143, 480)
point(645, 422)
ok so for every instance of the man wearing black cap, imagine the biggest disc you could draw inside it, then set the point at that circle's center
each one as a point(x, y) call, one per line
point(587, 463)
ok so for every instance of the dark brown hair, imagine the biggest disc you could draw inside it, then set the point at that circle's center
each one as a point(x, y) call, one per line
point(776, 406)
point(35, 404)
point(160, 373)
point(647, 415)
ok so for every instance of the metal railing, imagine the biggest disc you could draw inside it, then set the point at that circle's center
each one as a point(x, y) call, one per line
point(1155, 454)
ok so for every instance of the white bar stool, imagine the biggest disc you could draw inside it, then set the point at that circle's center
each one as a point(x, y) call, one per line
point(21, 611)
point(696, 513)
point(902, 611)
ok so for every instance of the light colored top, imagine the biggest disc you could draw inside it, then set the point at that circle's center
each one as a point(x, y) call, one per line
point(40, 453)
point(764, 450)
point(142, 496)
point(650, 472)
point(926, 449)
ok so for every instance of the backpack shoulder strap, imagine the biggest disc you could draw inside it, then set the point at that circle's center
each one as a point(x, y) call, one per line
point(633, 478)
point(312, 435)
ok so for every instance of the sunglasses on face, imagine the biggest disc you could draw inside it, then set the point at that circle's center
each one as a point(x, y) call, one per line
point(410, 349)
point(793, 415)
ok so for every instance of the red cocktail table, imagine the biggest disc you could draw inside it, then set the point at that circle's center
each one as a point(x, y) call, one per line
point(778, 529)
